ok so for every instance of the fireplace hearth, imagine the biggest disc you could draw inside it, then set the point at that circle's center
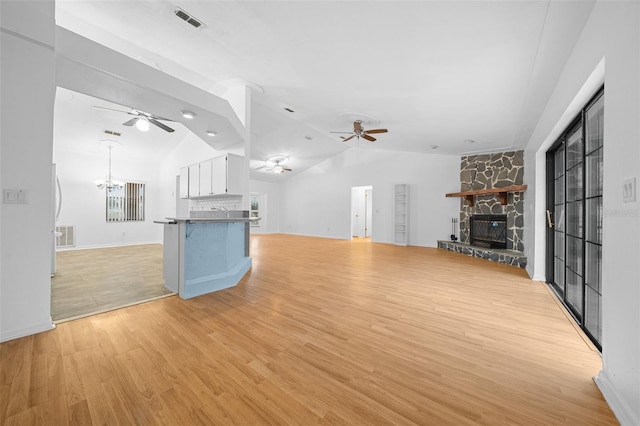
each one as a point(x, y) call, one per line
point(488, 231)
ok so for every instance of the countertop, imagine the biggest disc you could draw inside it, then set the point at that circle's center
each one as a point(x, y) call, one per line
point(205, 219)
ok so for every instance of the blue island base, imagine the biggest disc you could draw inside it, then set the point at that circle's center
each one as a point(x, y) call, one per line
point(203, 285)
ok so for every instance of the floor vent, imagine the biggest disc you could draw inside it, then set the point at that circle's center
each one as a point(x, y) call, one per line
point(188, 18)
point(65, 236)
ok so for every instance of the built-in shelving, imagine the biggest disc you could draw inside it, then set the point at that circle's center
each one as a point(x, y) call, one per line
point(501, 192)
point(401, 210)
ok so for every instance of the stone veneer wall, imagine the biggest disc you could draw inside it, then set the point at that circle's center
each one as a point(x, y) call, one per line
point(487, 171)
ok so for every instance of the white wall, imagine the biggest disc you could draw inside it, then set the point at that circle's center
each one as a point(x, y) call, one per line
point(270, 211)
point(610, 35)
point(318, 201)
point(27, 91)
point(83, 204)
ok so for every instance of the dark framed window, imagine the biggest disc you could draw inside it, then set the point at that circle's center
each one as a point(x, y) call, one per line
point(126, 203)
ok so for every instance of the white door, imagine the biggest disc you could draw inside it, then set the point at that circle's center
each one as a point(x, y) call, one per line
point(361, 211)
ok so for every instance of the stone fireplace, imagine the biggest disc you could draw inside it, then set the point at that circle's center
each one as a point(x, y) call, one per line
point(495, 219)
point(488, 171)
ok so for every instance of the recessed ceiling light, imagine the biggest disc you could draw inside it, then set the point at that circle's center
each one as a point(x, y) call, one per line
point(211, 133)
point(188, 114)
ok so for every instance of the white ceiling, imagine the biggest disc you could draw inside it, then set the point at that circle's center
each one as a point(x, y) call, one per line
point(80, 127)
point(432, 72)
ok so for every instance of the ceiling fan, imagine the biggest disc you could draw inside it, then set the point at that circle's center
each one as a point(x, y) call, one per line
point(274, 164)
point(142, 120)
point(359, 132)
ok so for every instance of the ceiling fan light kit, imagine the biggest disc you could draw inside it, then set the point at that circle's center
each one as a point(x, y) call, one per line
point(274, 164)
point(142, 124)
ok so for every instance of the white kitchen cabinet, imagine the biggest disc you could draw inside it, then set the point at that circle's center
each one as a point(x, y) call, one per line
point(194, 180)
point(206, 177)
point(184, 182)
point(221, 175)
point(227, 176)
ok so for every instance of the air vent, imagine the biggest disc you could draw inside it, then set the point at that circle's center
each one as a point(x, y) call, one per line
point(188, 18)
point(65, 236)
point(111, 132)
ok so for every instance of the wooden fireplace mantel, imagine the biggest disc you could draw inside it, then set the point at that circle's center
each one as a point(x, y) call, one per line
point(502, 193)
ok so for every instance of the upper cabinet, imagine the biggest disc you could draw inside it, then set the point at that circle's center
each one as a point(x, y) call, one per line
point(194, 180)
point(205, 178)
point(217, 176)
point(227, 175)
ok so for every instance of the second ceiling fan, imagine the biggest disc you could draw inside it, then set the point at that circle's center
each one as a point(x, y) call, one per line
point(142, 119)
point(359, 132)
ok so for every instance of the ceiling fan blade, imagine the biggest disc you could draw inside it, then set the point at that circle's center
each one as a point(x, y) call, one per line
point(131, 122)
point(357, 125)
point(350, 137)
point(162, 126)
point(286, 169)
point(369, 138)
point(376, 131)
point(111, 109)
point(151, 116)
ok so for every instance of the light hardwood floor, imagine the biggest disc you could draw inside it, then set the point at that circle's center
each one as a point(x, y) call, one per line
point(99, 280)
point(320, 331)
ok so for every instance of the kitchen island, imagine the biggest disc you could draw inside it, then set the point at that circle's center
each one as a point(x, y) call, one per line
point(205, 254)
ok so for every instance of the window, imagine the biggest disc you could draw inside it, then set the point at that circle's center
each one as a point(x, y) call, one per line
point(255, 209)
point(126, 203)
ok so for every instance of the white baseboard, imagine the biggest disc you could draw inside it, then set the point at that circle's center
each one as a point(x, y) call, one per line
point(540, 278)
point(16, 334)
point(619, 406)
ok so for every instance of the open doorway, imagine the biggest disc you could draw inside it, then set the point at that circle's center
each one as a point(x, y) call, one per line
point(361, 211)
point(108, 253)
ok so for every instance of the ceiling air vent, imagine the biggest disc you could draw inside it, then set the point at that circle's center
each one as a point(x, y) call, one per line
point(111, 132)
point(187, 18)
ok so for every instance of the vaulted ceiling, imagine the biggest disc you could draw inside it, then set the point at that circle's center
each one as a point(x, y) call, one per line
point(447, 77)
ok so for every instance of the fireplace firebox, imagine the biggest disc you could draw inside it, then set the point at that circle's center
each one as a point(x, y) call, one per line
point(488, 231)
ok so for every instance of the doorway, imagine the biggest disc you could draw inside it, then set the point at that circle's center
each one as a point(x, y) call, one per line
point(361, 211)
point(574, 217)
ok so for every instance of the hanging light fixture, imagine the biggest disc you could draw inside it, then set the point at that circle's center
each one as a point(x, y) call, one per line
point(109, 183)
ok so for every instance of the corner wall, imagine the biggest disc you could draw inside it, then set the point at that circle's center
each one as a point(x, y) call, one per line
point(27, 90)
point(611, 41)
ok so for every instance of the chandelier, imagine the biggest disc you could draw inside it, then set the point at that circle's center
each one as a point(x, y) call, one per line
point(109, 183)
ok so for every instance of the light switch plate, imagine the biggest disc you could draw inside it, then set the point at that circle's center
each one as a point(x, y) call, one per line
point(14, 196)
point(629, 190)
